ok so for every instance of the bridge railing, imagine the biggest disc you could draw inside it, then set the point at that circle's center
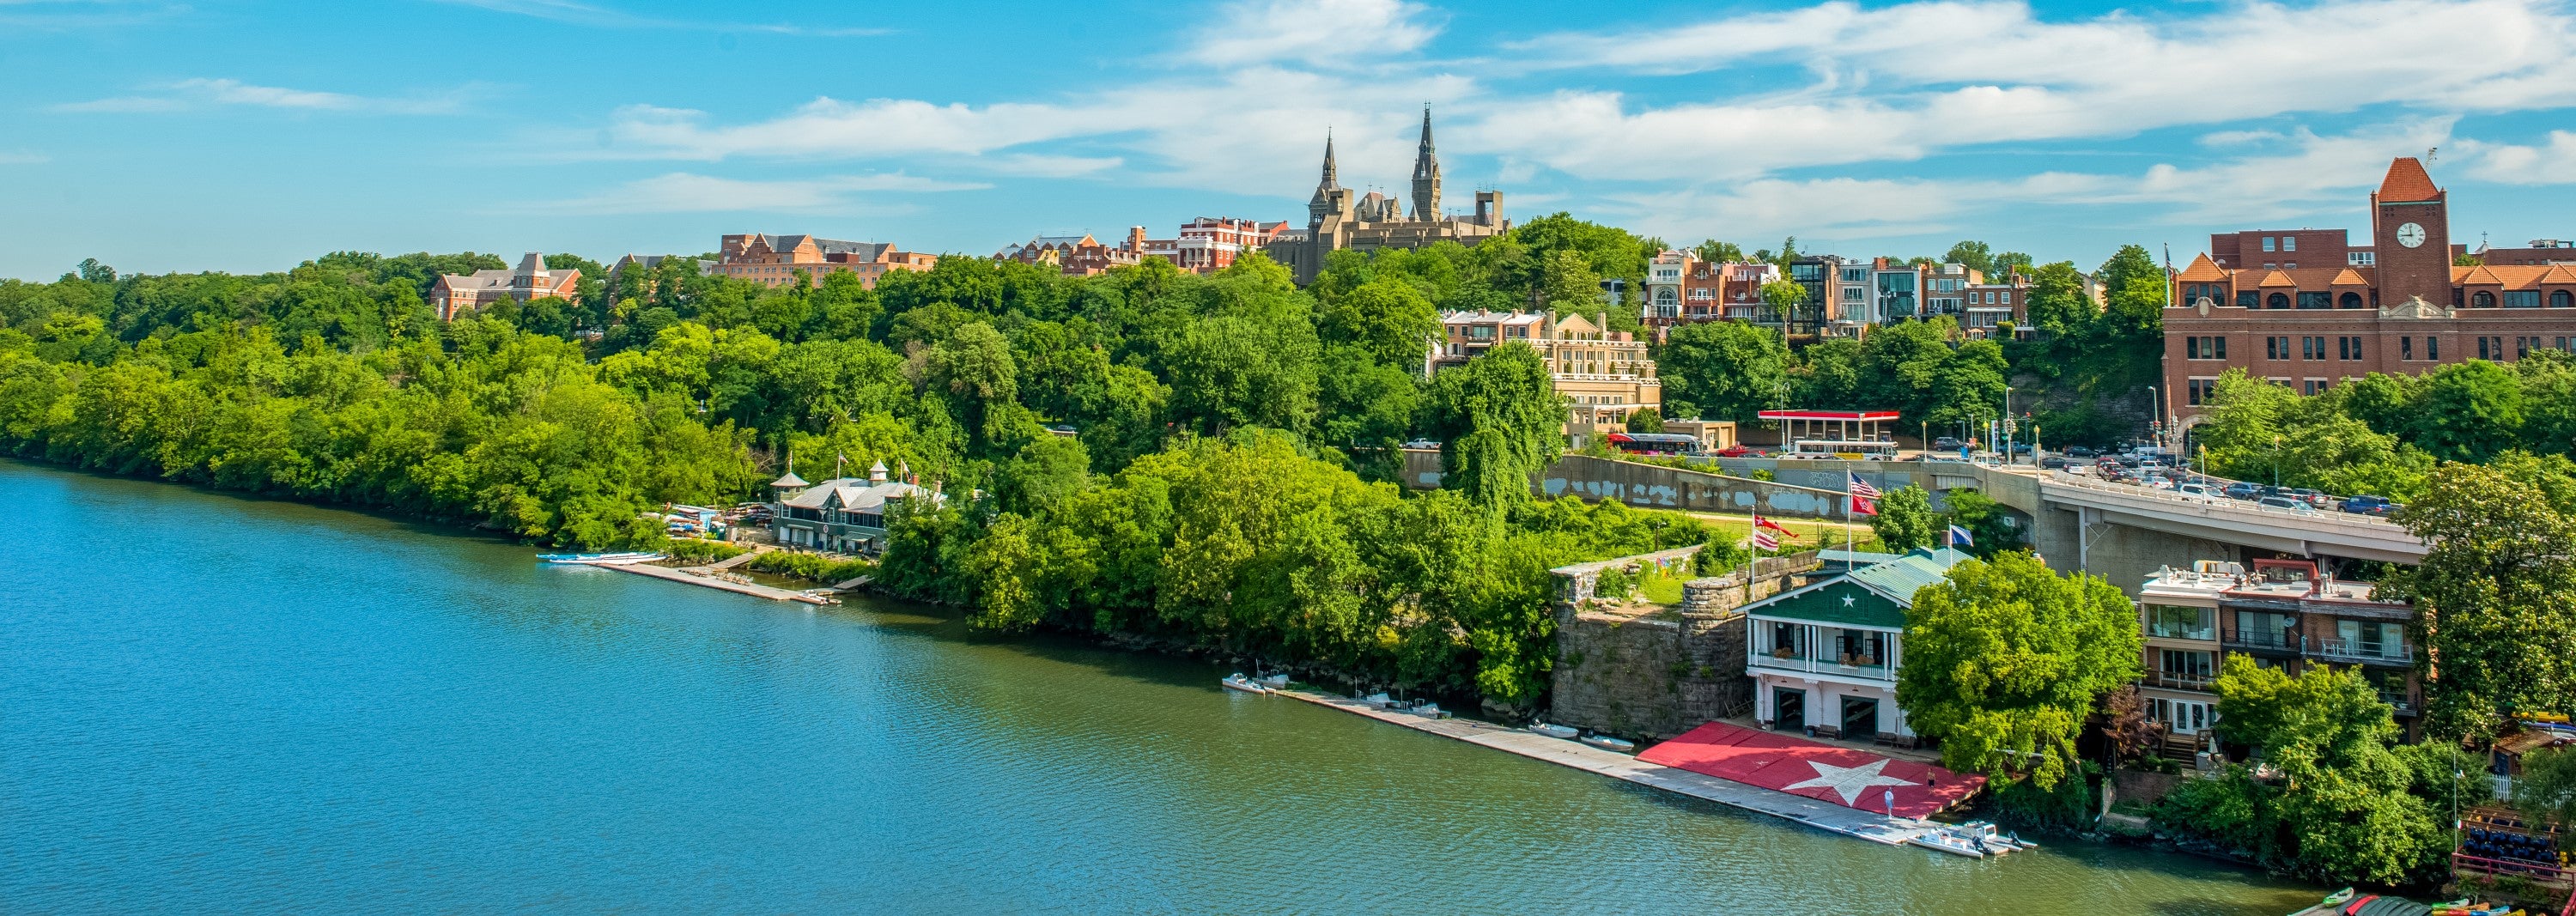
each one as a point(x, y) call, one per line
point(2372, 523)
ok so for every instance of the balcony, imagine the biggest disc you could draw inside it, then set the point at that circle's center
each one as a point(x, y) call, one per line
point(2404, 704)
point(2279, 642)
point(1855, 668)
point(2175, 680)
point(2358, 651)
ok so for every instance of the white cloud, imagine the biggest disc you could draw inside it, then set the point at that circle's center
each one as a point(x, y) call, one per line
point(193, 94)
point(1320, 32)
point(22, 158)
point(683, 192)
point(2553, 162)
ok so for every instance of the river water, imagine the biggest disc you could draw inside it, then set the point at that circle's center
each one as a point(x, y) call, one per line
point(210, 703)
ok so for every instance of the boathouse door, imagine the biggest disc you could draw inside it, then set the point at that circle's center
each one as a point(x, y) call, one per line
point(1860, 717)
point(1788, 709)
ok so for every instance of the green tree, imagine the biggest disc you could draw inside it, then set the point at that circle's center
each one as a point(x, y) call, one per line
point(2491, 594)
point(1387, 318)
point(1498, 419)
point(1991, 530)
point(1649, 420)
point(1717, 252)
point(2342, 808)
point(2546, 790)
point(1729, 369)
point(1973, 255)
point(2005, 660)
point(1905, 520)
point(1783, 298)
point(2467, 411)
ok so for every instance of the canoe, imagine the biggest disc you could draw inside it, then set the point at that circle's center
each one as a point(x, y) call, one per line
point(1607, 743)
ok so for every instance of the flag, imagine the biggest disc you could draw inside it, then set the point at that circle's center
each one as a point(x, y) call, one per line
point(1861, 487)
point(1762, 540)
point(1959, 537)
point(1860, 505)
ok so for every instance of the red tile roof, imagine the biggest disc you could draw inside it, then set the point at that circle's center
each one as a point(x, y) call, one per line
point(2407, 181)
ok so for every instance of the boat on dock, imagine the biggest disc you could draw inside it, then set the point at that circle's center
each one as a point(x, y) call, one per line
point(1948, 842)
point(1430, 710)
point(1552, 730)
point(1237, 681)
point(1607, 743)
point(2348, 902)
point(1275, 682)
point(627, 558)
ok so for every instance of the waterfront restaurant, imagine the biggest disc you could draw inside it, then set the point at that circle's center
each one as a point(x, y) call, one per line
point(841, 515)
point(1824, 657)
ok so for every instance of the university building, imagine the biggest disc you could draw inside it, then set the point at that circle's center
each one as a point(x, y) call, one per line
point(1338, 218)
point(454, 294)
point(2306, 309)
point(1076, 255)
point(1211, 243)
point(774, 260)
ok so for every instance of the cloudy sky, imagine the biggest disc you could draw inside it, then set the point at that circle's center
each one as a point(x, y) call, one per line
point(214, 134)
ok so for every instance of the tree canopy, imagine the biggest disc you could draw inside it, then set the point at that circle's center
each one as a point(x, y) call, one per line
point(2006, 659)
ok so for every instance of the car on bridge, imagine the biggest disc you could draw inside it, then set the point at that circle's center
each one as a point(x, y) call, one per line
point(2286, 504)
point(2372, 505)
point(2243, 490)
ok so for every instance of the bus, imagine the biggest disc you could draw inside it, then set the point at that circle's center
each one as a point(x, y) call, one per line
point(1654, 443)
point(1849, 449)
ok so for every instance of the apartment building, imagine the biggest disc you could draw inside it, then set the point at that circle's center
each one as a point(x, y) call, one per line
point(1991, 304)
point(775, 260)
point(2287, 614)
point(1604, 375)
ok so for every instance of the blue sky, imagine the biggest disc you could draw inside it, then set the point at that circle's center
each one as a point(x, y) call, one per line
point(210, 134)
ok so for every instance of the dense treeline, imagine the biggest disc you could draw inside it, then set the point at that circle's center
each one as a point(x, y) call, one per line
point(2382, 434)
point(1224, 486)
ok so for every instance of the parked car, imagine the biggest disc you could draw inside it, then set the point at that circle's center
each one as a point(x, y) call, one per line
point(2243, 490)
point(1946, 444)
point(2079, 452)
point(2316, 499)
point(2371, 505)
point(2083, 470)
point(2286, 503)
point(2197, 491)
point(1421, 443)
point(2054, 462)
point(1736, 451)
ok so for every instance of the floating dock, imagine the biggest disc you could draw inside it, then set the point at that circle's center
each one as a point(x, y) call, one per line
point(692, 576)
point(1852, 822)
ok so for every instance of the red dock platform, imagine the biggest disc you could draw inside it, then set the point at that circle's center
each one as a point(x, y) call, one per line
point(1813, 769)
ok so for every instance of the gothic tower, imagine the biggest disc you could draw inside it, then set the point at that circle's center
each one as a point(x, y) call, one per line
point(1327, 191)
point(1426, 175)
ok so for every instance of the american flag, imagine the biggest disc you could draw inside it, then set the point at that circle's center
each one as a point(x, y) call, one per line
point(1861, 488)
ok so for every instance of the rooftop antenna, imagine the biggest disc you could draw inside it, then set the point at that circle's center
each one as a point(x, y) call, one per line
point(2430, 151)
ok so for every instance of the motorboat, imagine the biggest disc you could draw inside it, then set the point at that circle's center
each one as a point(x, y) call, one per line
point(1378, 700)
point(1430, 710)
point(1944, 840)
point(628, 558)
point(1275, 682)
point(1607, 743)
point(1553, 730)
point(1237, 681)
point(1987, 837)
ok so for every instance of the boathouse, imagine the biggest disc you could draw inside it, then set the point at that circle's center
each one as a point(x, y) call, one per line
point(841, 515)
point(1824, 657)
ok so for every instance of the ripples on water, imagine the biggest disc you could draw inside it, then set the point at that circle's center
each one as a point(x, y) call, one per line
point(209, 703)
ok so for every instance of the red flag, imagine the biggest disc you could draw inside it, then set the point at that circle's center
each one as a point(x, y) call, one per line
point(1860, 505)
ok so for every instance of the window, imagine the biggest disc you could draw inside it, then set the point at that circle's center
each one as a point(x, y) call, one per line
point(2248, 299)
point(2349, 348)
point(1852, 293)
point(2204, 348)
point(2491, 348)
point(2483, 300)
point(2312, 348)
point(2277, 301)
point(2361, 258)
point(2522, 299)
point(2349, 301)
point(2316, 300)
point(2171, 622)
point(1855, 274)
point(2314, 387)
point(2522, 346)
point(2184, 665)
point(2289, 243)
point(2201, 389)
point(2405, 348)
point(2276, 348)
point(2433, 348)
point(2271, 244)
point(2562, 299)
point(2007, 296)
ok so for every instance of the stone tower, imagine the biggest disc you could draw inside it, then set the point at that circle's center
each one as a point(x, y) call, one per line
point(1426, 175)
point(1327, 192)
point(2410, 229)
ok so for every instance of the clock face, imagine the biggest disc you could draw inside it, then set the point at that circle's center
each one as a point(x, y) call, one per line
point(2410, 235)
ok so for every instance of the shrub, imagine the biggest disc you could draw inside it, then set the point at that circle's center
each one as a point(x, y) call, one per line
point(812, 567)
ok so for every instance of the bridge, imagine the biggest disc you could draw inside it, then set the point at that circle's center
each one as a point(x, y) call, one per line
point(2123, 533)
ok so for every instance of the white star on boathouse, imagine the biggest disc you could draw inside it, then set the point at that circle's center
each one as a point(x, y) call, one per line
point(1850, 782)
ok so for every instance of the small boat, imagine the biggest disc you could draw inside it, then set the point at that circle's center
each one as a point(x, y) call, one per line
point(1607, 743)
point(1552, 730)
point(1378, 700)
point(627, 558)
point(1948, 842)
point(1430, 710)
point(2348, 902)
point(1984, 834)
point(1237, 681)
point(1275, 682)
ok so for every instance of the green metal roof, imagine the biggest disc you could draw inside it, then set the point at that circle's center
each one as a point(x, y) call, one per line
point(1872, 596)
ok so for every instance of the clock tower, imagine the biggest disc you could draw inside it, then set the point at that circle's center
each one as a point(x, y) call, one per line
point(2410, 232)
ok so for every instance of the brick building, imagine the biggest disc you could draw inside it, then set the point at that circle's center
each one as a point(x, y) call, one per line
point(1682, 289)
point(1604, 375)
point(1211, 243)
point(453, 294)
point(1339, 218)
point(773, 260)
point(2408, 311)
point(2286, 614)
point(1077, 255)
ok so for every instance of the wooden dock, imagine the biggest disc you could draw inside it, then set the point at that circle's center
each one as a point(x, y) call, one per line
point(1852, 822)
point(695, 578)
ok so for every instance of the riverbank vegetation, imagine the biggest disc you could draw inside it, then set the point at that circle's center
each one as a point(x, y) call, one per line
point(811, 567)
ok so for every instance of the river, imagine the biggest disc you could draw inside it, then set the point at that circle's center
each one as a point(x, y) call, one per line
point(211, 703)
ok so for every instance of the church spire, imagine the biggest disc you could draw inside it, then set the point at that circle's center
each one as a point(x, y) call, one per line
point(1330, 181)
point(1426, 175)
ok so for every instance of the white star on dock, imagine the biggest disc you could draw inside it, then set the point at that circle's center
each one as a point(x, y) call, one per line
point(1850, 782)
